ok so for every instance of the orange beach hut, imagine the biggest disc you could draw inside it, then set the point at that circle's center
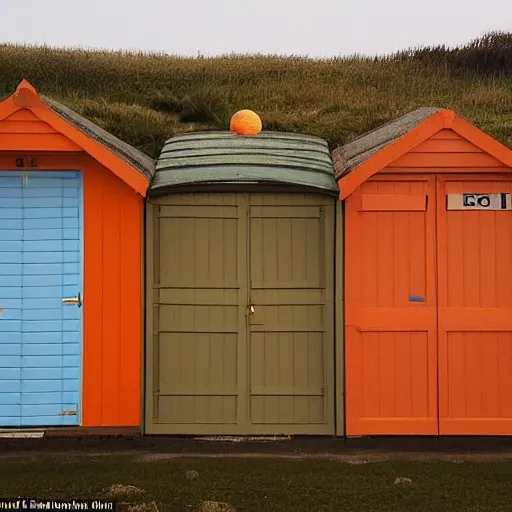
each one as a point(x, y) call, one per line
point(71, 212)
point(428, 278)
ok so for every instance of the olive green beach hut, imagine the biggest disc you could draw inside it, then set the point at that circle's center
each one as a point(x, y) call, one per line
point(241, 299)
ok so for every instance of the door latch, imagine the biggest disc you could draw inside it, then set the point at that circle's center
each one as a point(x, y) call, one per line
point(73, 300)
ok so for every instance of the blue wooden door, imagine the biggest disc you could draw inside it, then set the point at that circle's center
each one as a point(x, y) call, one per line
point(40, 266)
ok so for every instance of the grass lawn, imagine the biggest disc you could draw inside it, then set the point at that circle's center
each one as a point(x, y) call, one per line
point(263, 483)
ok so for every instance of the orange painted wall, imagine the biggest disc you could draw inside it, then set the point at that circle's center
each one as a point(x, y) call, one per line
point(402, 374)
point(446, 150)
point(23, 130)
point(112, 292)
point(112, 300)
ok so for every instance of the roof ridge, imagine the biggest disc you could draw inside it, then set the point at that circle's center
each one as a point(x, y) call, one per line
point(391, 122)
point(353, 153)
point(263, 135)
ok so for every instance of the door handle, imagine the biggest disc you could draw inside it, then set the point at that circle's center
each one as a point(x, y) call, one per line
point(251, 309)
point(73, 300)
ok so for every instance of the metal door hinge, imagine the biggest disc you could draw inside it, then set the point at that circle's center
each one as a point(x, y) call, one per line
point(67, 413)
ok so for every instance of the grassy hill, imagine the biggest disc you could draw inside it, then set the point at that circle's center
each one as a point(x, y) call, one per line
point(145, 98)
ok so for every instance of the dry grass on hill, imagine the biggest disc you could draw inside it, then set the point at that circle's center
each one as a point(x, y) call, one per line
point(145, 98)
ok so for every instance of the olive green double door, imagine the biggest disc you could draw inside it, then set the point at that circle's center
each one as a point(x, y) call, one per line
point(240, 306)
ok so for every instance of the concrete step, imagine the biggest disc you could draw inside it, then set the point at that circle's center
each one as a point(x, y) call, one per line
point(20, 433)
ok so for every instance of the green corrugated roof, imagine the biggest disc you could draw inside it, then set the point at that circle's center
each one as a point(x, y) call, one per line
point(225, 158)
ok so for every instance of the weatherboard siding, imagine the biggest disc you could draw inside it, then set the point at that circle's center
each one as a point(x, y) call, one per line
point(112, 234)
point(446, 149)
point(23, 130)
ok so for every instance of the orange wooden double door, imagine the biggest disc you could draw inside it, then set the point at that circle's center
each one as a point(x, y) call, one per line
point(428, 312)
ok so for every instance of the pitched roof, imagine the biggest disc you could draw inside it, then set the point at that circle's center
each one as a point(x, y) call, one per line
point(352, 154)
point(359, 160)
point(137, 159)
point(223, 159)
point(129, 164)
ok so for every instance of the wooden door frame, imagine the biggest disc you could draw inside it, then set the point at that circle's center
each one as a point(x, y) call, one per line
point(150, 346)
point(243, 352)
point(339, 320)
point(440, 178)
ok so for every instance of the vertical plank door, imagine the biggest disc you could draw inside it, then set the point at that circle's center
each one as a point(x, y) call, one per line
point(475, 306)
point(291, 336)
point(391, 342)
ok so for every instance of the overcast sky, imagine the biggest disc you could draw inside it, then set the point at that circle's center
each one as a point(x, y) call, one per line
point(316, 28)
